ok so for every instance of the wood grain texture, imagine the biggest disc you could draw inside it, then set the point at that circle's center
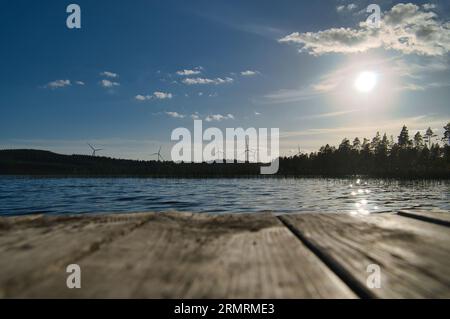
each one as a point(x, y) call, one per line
point(201, 256)
point(185, 255)
point(414, 256)
point(32, 247)
point(436, 217)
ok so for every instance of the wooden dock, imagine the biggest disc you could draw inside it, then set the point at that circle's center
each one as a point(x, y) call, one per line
point(181, 255)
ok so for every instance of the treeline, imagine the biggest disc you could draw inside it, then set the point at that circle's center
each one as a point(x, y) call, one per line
point(407, 156)
point(37, 162)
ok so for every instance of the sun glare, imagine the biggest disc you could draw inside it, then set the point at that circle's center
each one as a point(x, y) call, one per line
point(366, 81)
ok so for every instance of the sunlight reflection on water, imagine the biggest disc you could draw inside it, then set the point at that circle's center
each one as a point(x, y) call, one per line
point(362, 204)
point(24, 195)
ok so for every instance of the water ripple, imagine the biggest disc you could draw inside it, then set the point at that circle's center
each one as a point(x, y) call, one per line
point(24, 195)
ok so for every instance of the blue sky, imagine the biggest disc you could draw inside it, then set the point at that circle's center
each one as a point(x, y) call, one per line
point(135, 71)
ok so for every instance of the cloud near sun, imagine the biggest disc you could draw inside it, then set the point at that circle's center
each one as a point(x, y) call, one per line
point(407, 28)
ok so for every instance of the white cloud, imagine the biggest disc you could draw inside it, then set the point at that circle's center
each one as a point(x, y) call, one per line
point(175, 115)
point(108, 83)
point(109, 74)
point(291, 95)
point(249, 73)
point(156, 95)
point(324, 84)
point(416, 70)
point(349, 7)
point(162, 95)
point(203, 81)
point(140, 97)
point(213, 117)
point(257, 113)
point(406, 28)
point(58, 84)
point(402, 75)
point(389, 126)
point(422, 87)
point(429, 6)
point(411, 87)
point(187, 72)
point(330, 114)
point(79, 83)
point(219, 117)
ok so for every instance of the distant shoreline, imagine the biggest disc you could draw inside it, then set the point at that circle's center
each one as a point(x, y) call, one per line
point(63, 176)
point(37, 163)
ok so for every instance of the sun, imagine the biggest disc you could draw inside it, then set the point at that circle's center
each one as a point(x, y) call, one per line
point(366, 81)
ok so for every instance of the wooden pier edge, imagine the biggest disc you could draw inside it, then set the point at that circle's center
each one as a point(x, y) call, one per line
point(193, 255)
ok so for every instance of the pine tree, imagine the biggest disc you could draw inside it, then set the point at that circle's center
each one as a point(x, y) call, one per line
point(418, 140)
point(366, 145)
point(376, 141)
point(383, 146)
point(356, 144)
point(435, 151)
point(429, 135)
point(446, 138)
point(345, 145)
point(403, 138)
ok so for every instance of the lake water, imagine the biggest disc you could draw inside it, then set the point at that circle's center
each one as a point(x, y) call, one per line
point(25, 195)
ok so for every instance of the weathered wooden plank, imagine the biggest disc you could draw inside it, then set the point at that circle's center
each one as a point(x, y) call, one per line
point(414, 256)
point(200, 256)
point(436, 217)
point(31, 247)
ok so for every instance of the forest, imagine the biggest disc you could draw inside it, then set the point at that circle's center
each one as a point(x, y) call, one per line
point(416, 155)
point(408, 155)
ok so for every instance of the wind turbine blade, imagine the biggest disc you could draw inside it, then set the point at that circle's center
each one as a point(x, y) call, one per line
point(91, 146)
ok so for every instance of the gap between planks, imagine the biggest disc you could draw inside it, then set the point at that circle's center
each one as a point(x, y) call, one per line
point(438, 218)
point(413, 254)
point(199, 256)
point(360, 290)
point(117, 239)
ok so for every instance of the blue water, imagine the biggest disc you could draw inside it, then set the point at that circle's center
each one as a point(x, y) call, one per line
point(25, 195)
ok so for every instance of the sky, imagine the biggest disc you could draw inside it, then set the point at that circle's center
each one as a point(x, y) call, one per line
point(137, 70)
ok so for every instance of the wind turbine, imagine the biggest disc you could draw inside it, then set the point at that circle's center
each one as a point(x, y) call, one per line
point(247, 157)
point(218, 152)
point(158, 154)
point(299, 152)
point(248, 151)
point(94, 150)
